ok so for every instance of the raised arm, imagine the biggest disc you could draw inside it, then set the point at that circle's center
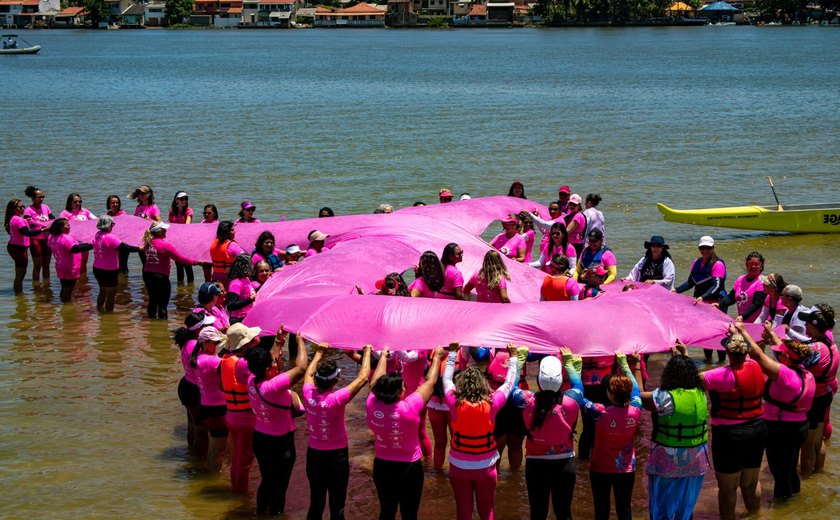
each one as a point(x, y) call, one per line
point(624, 366)
point(296, 373)
point(309, 376)
point(449, 371)
point(364, 372)
point(769, 366)
point(428, 387)
point(381, 366)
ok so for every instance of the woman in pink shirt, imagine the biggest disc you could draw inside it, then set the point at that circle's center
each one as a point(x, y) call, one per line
point(37, 215)
point(181, 213)
point(429, 276)
point(327, 458)
point(453, 280)
point(394, 419)
point(113, 205)
point(159, 256)
point(510, 243)
point(211, 301)
point(490, 282)
point(68, 253)
point(74, 212)
point(274, 433)
point(576, 223)
point(316, 242)
point(212, 408)
point(106, 261)
point(526, 226)
point(240, 293)
point(748, 291)
point(146, 207)
point(246, 214)
point(19, 240)
point(558, 244)
point(186, 338)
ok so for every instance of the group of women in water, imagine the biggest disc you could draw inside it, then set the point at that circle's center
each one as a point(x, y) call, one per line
point(239, 397)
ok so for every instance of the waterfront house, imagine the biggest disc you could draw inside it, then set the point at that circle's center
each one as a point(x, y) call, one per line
point(401, 13)
point(217, 13)
point(250, 11)
point(133, 16)
point(155, 14)
point(460, 9)
point(70, 17)
point(360, 15)
point(18, 13)
point(500, 13)
point(277, 13)
point(305, 16)
point(476, 16)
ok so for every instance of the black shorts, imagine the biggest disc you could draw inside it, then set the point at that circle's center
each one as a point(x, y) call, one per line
point(213, 419)
point(188, 393)
point(738, 446)
point(20, 254)
point(106, 277)
point(509, 421)
point(816, 414)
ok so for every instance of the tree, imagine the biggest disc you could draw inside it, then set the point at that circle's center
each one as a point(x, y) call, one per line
point(97, 10)
point(178, 10)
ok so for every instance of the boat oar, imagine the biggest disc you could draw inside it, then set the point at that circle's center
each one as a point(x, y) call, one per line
point(778, 204)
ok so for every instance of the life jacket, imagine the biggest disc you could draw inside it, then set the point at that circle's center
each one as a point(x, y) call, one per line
point(556, 430)
point(589, 259)
point(472, 429)
point(686, 427)
point(791, 406)
point(591, 291)
point(596, 368)
point(554, 289)
point(220, 256)
point(702, 277)
point(652, 269)
point(236, 392)
point(274, 261)
point(826, 375)
point(744, 401)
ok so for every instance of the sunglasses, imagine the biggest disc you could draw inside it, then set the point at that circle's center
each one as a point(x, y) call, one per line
point(182, 198)
point(705, 248)
point(250, 210)
point(77, 202)
point(658, 246)
point(556, 233)
point(754, 264)
point(553, 210)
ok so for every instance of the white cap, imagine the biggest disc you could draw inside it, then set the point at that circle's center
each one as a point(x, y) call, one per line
point(465, 196)
point(551, 374)
point(159, 226)
point(181, 194)
point(706, 241)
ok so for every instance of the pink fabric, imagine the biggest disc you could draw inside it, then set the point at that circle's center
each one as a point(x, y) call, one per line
point(530, 237)
point(479, 484)
point(189, 370)
point(325, 417)
point(483, 294)
point(273, 409)
point(554, 438)
point(421, 286)
point(509, 247)
point(241, 433)
point(785, 388)
point(614, 450)
point(159, 256)
point(16, 223)
point(105, 250)
point(147, 212)
point(744, 291)
point(577, 237)
point(242, 288)
point(68, 265)
point(180, 219)
point(452, 278)
point(395, 427)
point(37, 218)
point(209, 381)
point(77, 216)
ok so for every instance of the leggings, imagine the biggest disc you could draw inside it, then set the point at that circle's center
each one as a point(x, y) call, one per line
point(480, 483)
point(159, 289)
point(597, 394)
point(181, 270)
point(20, 255)
point(399, 485)
point(622, 487)
point(328, 471)
point(423, 435)
point(550, 478)
point(440, 424)
point(783, 443)
point(241, 433)
point(276, 459)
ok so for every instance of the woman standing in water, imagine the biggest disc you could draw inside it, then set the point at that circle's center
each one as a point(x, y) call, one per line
point(37, 215)
point(68, 256)
point(453, 280)
point(20, 235)
point(181, 213)
point(510, 243)
point(490, 282)
point(107, 249)
point(223, 250)
point(159, 256)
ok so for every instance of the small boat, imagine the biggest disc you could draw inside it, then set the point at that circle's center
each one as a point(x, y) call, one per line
point(801, 218)
point(10, 45)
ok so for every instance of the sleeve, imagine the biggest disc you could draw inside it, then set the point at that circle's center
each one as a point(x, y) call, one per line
point(717, 285)
point(728, 300)
point(234, 302)
point(127, 248)
point(510, 377)
point(635, 273)
point(277, 383)
point(177, 256)
point(538, 263)
point(719, 379)
point(542, 224)
point(235, 249)
point(669, 273)
point(573, 289)
point(448, 372)
point(612, 274)
point(408, 356)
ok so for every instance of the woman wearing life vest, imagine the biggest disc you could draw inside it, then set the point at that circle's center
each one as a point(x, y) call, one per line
point(274, 433)
point(576, 223)
point(394, 419)
point(265, 250)
point(656, 267)
point(594, 370)
point(558, 244)
point(773, 309)
point(739, 433)
point(510, 242)
point(823, 365)
point(37, 215)
point(156, 269)
point(211, 300)
point(490, 282)
point(707, 277)
point(559, 285)
point(212, 408)
point(594, 278)
point(678, 454)
point(186, 338)
point(68, 256)
point(223, 250)
point(429, 276)
point(748, 290)
point(19, 241)
point(453, 280)
point(107, 249)
point(240, 417)
point(240, 292)
point(788, 395)
point(472, 452)
point(594, 254)
point(327, 457)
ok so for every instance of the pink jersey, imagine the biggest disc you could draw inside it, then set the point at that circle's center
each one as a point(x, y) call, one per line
point(209, 380)
point(180, 219)
point(554, 439)
point(149, 212)
point(271, 401)
point(529, 237)
point(825, 369)
point(242, 288)
point(252, 221)
point(569, 253)
point(483, 294)
point(452, 278)
point(744, 290)
point(77, 215)
point(789, 388)
point(159, 256)
point(16, 238)
point(37, 218)
point(68, 265)
point(221, 315)
point(421, 286)
point(106, 251)
point(414, 364)
point(395, 427)
point(577, 236)
point(119, 213)
point(189, 370)
point(508, 246)
point(614, 450)
point(258, 257)
point(325, 417)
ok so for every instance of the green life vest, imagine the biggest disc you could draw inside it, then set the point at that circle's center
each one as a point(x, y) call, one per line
point(686, 427)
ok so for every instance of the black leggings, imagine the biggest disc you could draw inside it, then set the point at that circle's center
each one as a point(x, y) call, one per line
point(327, 471)
point(399, 485)
point(597, 394)
point(621, 485)
point(159, 289)
point(276, 458)
point(783, 442)
point(181, 270)
point(550, 478)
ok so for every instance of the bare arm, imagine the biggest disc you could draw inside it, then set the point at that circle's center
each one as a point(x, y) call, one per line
point(296, 372)
point(309, 376)
point(503, 295)
point(364, 372)
point(769, 366)
point(428, 386)
point(381, 366)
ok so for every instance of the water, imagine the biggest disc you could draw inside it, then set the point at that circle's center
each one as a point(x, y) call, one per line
point(296, 120)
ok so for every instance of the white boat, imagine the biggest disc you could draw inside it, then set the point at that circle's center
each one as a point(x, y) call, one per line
point(10, 45)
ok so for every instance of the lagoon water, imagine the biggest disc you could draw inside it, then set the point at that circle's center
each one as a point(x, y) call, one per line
point(296, 120)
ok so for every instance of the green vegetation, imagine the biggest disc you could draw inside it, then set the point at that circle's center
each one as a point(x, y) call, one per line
point(437, 23)
point(97, 11)
point(178, 11)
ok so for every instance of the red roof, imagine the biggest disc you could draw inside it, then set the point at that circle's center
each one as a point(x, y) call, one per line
point(277, 1)
point(478, 10)
point(72, 11)
point(29, 2)
point(235, 10)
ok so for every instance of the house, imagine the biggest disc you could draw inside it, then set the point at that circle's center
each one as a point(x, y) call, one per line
point(360, 15)
point(155, 14)
point(477, 15)
point(460, 9)
point(70, 17)
point(276, 13)
point(500, 13)
point(133, 16)
point(217, 13)
point(20, 13)
point(305, 15)
point(401, 13)
point(250, 11)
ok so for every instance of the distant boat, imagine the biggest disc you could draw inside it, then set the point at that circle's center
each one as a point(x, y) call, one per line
point(801, 218)
point(11, 45)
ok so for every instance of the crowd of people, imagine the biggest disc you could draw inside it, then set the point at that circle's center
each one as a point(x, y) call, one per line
point(239, 399)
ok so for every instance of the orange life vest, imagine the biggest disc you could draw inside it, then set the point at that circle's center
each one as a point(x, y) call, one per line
point(744, 401)
point(554, 289)
point(236, 392)
point(220, 256)
point(472, 429)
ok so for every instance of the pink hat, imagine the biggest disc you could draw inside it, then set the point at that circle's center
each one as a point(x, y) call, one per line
point(246, 205)
point(575, 199)
point(445, 193)
point(564, 189)
point(509, 220)
point(598, 270)
point(497, 371)
point(316, 235)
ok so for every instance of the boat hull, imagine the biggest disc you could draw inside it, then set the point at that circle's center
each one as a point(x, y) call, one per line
point(23, 50)
point(806, 218)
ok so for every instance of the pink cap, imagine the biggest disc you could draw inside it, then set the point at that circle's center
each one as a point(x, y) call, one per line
point(509, 220)
point(575, 199)
point(499, 366)
point(564, 189)
point(246, 205)
point(445, 193)
point(599, 270)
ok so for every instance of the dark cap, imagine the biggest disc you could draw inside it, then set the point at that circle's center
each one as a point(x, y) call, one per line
point(596, 234)
point(815, 317)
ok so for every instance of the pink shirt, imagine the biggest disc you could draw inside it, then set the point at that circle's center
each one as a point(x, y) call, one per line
point(825, 369)
point(37, 217)
point(554, 439)
point(180, 219)
point(221, 315)
point(452, 278)
point(16, 238)
point(149, 212)
point(395, 427)
point(483, 294)
point(578, 235)
point(614, 450)
point(189, 370)
point(744, 291)
point(68, 265)
point(529, 238)
point(77, 215)
point(785, 389)
point(310, 252)
point(252, 221)
point(569, 253)
point(119, 213)
point(209, 380)
point(421, 286)
point(242, 288)
point(159, 256)
point(325, 417)
point(413, 368)
point(272, 402)
point(258, 257)
point(105, 251)
point(508, 246)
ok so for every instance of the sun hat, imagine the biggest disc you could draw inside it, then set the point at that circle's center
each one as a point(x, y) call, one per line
point(465, 196)
point(656, 240)
point(293, 249)
point(509, 220)
point(575, 199)
point(316, 235)
point(564, 189)
point(104, 223)
point(211, 334)
point(550, 377)
point(246, 205)
point(239, 335)
point(815, 317)
point(159, 226)
point(706, 241)
point(444, 193)
point(139, 189)
point(784, 349)
point(735, 344)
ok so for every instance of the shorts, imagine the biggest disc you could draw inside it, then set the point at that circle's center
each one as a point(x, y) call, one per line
point(19, 254)
point(738, 446)
point(509, 421)
point(816, 414)
point(213, 419)
point(188, 393)
point(106, 277)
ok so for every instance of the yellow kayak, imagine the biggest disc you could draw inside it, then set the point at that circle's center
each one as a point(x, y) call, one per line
point(803, 218)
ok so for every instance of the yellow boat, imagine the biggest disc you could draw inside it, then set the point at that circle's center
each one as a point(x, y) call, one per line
point(802, 218)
